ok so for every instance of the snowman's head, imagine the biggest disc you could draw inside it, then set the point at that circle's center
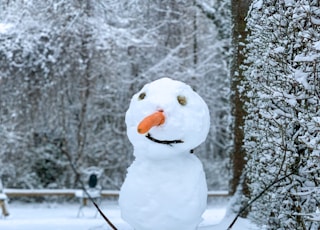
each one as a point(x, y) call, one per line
point(166, 118)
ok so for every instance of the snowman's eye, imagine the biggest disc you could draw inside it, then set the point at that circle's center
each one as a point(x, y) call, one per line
point(182, 100)
point(142, 96)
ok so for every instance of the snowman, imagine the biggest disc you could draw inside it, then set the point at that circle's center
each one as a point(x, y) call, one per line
point(165, 186)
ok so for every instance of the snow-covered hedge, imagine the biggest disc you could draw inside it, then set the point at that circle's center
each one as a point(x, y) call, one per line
point(282, 129)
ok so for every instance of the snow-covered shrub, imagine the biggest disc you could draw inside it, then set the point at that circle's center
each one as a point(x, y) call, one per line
point(282, 125)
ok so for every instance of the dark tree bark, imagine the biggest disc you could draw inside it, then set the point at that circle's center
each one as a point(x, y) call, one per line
point(239, 10)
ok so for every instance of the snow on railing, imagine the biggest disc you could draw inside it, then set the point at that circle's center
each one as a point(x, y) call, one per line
point(218, 193)
point(10, 192)
point(51, 192)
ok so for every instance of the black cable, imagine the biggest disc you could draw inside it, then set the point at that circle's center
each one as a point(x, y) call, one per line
point(256, 198)
point(74, 169)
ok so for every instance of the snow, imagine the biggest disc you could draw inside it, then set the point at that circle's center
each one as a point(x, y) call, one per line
point(165, 185)
point(59, 216)
point(306, 58)
point(289, 2)
point(293, 102)
point(189, 123)
point(53, 216)
point(316, 119)
point(302, 78)
point(315, 21)
point(4, 27)
point(315, 216)
point(279, 49)
point(166, 196)
point(317, 45)
point(258, 4)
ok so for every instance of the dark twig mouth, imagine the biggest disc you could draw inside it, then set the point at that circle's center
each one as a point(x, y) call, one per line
point(166, 142)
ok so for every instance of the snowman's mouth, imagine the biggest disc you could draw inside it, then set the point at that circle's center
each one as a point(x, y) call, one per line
point(165, 142)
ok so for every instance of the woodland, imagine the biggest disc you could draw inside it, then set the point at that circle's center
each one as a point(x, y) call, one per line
point(68, 70)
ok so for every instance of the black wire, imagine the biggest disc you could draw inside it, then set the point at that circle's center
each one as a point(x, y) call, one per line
point(256, 198)
point(74, 169)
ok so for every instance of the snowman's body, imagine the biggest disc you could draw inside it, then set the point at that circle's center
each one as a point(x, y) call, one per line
point(165, 187)
point(164, 195)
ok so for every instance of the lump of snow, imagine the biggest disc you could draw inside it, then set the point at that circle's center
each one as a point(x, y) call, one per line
point(308, 58)
point(279, 49)
point(317, 45)
point(315, 21)
point(4, 27)
point(289, 2)
point(316, 119)
point(258, 4)
point(302, 78)
point(292, 102)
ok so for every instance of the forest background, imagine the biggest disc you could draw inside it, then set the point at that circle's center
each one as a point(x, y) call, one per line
point(68, 70)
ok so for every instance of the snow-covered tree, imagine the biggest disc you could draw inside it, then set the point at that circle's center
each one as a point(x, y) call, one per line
point(69, 69)
point(58, 83)
point(282, 125)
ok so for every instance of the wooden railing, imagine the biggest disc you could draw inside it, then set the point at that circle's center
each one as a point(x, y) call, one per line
point(52, 192)
point(71, 192)
point(9, 192)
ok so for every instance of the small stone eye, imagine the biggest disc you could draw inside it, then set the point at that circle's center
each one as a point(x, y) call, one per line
point(182, 100)
point(142, 96)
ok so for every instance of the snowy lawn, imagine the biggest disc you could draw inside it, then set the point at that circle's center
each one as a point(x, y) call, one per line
point(52, 216)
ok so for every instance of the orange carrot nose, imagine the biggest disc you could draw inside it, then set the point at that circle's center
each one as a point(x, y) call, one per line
point(150, 121)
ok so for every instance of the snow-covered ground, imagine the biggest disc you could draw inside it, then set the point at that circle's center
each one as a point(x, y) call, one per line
point(53, 216)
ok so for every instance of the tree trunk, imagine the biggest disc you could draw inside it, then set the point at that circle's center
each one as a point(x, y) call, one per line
point(239, 10)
